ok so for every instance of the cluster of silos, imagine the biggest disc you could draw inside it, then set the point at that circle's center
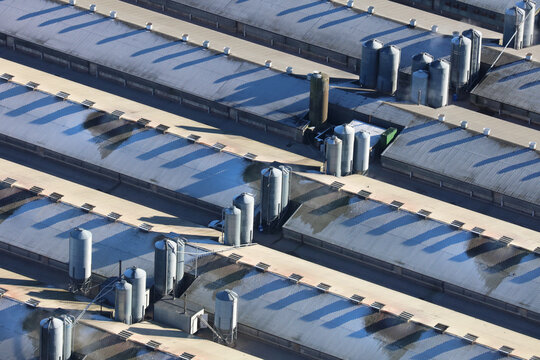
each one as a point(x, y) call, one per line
point(80, 256)
point(56, 338)
point(519, 25)
point(275, 192)
point(136, 277)
point(430, 80)
point(167, 270)
point(346, 152)
point(238, 221)
point(318, 98)
point(226, 315)
point(379, 66)
point(420, 77)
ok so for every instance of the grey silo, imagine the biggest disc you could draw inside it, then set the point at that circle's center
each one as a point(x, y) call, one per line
point(361, 152)
point(439, 81)
point(69, 322)
point(246, 203)
point(80, 255)
point(272, 181)
point(460, 62)
point(231, 226)
point(51, 339)
point(421, 61)
point(122, 303)
point(137, 278)
point(285, 186)
point(419, 87)
point(318, 98)
point(181, 260)
point(226, 313)
point(346, 134)
point(333, 154)
point(476, 51)
point(387, 74)
point(529, 7)
point(164, 266)
point(514, 22)
point(369, 64)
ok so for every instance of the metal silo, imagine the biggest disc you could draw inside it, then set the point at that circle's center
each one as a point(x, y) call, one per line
point(80, 255)
point(419, 87)
point(318, 98)
point(226, 313)
point(529, 7)
point(285, 186)
point(137, 278)
point(122, 302)
point(476, 51)
point(51, 339)
point(421, 61)
point(231, 226)
point(181, 259)
point(387, 74)
point(361, 152)
point(369, 64)
point(514, 22)
point(346, 134)
point(164, 266)
point(460, 62)
point(246, 203)
point(439, 75)
point(272, 180)
point(333, 152)
point(68, 321)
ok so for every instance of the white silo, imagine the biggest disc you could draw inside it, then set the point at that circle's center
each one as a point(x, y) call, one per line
point(369, 64)
point(361, 152)
point(286, 173)
point(164, 266)
point(387, 74)
point(226, 314)
point(80, 255)
point(51, 339)
point(529, 7)
point(318, 98)
point(419, 87)
point(514, 22)
point(346, 134)
point(69, 322)
point(231, 227)
point(137, 278)
point(460, 63)
point(246, 203)
point(122, 302)
point(439, 80)
point(476, 51)
point(333, 153)
point(421, 61)
point(272, 181)
point(180, 259)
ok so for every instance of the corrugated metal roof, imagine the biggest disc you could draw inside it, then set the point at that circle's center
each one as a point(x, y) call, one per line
point(121, 146)
point(323, 321)
point(516, 84)
point(38, 225)
point(472, 158)
point(19, 337)
point(327, 25)
point(148, 55)
point(425, 246)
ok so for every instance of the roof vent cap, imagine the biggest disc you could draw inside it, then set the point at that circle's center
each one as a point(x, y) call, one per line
point(412, 23)
point(371, 10)
point(350, 3)
point(268, 63)
point(72, 2)
point(227, 50)
point(529, 57)
point(206, 44)
point(487, 131)
point(532, 145)
point(148, 26)
point(289, 69)
point(435, 28)
point(442, 117)
point(185, 37)
point(113, 14)
point(464, 124)
point(93, 8)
